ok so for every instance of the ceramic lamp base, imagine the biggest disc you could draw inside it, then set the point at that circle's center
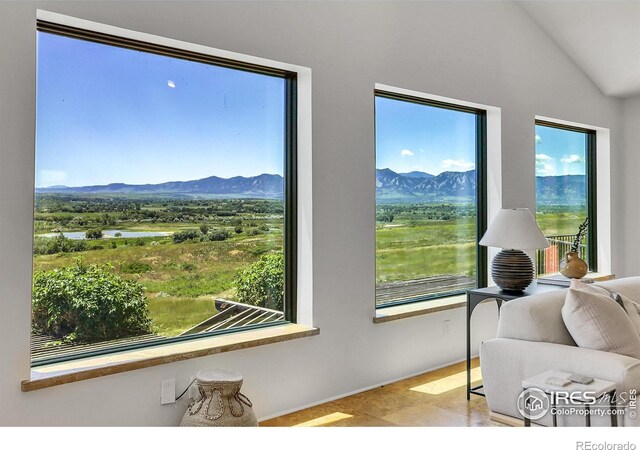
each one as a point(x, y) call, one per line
point(512, 270)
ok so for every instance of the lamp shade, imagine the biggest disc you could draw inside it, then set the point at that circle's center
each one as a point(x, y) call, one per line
point(514, 228)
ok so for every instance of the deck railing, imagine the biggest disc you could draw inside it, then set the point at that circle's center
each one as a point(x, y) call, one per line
point(548, 259)
point(230, 315)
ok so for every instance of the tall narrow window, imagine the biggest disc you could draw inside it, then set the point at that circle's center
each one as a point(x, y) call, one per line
point(430, 199)
point(164, 196)
point(565, 193)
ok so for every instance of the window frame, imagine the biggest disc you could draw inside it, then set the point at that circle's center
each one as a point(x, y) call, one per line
point(591, 163)
point(481, 189)
point(290, 175)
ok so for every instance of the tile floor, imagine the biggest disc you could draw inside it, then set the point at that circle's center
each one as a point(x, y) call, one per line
point(435, 398)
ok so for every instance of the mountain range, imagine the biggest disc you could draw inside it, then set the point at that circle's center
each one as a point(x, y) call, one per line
point(390, 187)
point(260, 186)
point(420, 186)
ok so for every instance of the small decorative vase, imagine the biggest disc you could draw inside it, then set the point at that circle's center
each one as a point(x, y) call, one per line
point(220, 403)
point(572, 266)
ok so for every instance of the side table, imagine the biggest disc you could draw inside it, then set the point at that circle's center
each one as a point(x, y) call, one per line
point(537, 386)
point(477, 296)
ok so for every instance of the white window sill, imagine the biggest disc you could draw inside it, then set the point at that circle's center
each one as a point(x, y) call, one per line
point(99, 366)
point(419, 308)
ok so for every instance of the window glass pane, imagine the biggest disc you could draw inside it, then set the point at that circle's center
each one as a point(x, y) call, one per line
point(159, 201)
point(561, 193)
point(425, 200)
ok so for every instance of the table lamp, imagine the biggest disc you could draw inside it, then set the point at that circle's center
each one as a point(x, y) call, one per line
point(513, 230)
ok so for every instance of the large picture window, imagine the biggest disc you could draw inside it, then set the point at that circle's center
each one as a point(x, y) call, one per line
point(430, 198)
point(165, 195)
point(565, 193)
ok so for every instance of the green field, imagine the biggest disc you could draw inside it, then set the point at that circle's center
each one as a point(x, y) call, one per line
point(560, 220)
point(416, 241)
point(181, 279)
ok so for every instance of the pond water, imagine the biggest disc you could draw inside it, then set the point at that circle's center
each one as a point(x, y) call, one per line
point(109, 234)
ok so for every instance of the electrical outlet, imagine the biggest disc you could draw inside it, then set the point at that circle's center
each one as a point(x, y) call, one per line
point(168, 392)
point(446, 327)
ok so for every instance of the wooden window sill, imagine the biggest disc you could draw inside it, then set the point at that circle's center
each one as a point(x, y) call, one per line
point(419, 308)
point(99, 366)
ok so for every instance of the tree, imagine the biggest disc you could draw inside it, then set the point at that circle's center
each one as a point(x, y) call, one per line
point(262, 284)
point(88, 303)
point(186, 235)
point(93, 233)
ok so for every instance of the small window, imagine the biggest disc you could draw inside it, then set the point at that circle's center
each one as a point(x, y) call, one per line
point(165, 195)
point(565, 194)
point(430, 198)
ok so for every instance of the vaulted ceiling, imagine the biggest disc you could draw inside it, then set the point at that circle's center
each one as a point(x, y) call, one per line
point(601, 37)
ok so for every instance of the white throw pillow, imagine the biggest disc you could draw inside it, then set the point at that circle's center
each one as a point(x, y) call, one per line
point(630, 307)
point(597, 321)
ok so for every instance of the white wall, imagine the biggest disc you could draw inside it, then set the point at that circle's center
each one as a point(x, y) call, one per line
point(628, 164)
point(490, 53)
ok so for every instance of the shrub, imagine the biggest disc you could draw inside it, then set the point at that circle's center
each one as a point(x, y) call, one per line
point(59, 244)
point(94, 233)
point(134, 267)
point(186, 235)
point(262, 284)
point(88, 303)
point(238, 229)
point(189, 267)
point(204, 228)
point(113, 244)
point(218, 235)
point(253, 232)
point(264, 228)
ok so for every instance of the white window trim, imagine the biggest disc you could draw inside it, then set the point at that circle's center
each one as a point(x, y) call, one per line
point(494, 151)
point(304, 168)
point(603, 188)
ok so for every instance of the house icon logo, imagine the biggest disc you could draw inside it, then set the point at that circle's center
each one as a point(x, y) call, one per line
point(533, 403)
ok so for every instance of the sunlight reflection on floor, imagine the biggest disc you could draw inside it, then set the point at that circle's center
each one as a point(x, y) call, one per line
point(448, 383)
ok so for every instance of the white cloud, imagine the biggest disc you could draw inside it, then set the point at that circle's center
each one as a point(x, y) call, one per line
point(545, 170)
point(545, 165)
point(171, 83)
point(538, 139)
point(540, 157)
point(572, 159)
point(459, 164)
point(406, 152)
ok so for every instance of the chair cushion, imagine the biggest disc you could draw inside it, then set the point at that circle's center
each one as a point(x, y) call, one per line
point(595, 320)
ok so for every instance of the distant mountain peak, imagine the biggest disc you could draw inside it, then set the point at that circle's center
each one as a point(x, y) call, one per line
point(416, 174)
point(264, 186)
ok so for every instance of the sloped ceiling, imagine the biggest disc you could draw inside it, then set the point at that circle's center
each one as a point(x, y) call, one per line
point(602, 38)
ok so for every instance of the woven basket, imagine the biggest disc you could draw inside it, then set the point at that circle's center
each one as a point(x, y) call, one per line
point(220, 403)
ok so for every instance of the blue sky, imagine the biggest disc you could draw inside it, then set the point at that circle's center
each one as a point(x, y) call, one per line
point(559, 152)
point(107, 114)
point(411, 136)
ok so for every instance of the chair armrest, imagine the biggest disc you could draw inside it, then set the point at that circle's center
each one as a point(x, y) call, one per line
point(507, 362)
